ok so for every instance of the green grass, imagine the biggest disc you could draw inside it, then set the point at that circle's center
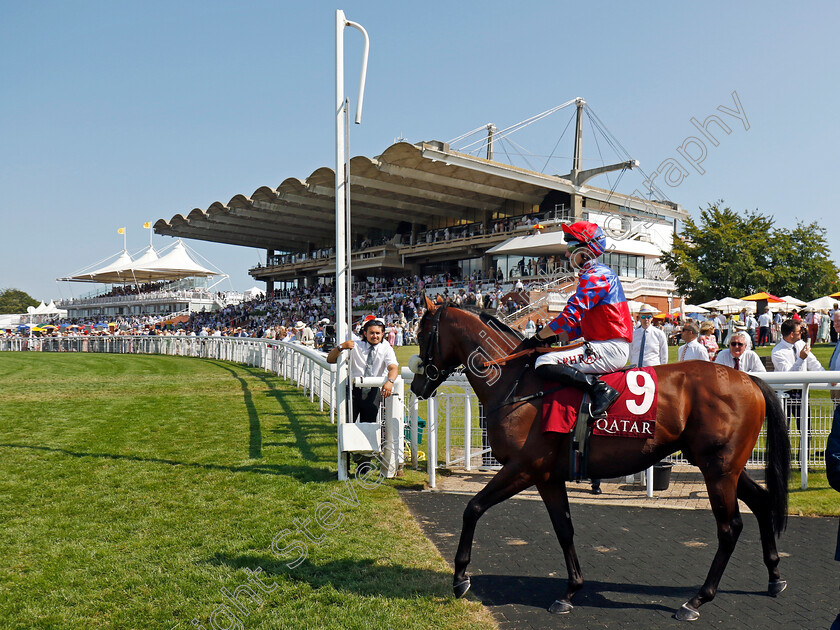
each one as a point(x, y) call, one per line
point(820, 499)
point(134, 488)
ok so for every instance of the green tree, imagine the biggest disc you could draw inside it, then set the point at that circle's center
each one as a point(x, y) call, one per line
point(15, 301)
point(727, 253)
point(724, 254)
point(801, 263)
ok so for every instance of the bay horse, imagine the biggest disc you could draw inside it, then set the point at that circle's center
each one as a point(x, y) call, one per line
point(712, 413)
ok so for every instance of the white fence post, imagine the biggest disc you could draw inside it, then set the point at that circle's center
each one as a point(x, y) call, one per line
point(804, 433)
point(414, 416)
point(431, 433)
point(467, 429)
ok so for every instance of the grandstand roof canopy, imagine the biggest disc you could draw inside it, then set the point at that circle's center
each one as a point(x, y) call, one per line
point(419, 183)
point(552, 243)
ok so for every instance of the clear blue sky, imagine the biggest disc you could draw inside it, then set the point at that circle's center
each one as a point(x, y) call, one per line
point(116, 113)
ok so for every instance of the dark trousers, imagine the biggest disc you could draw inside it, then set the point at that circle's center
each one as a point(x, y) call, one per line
point(366, 404)
point(833, 334)
point(763, 335)
point(794, 405)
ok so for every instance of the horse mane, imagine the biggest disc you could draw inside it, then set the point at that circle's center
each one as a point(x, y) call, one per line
point(490, 320)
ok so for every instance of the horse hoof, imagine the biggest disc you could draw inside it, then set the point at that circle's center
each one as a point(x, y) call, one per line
point(560, 608)
point(687, 613)
point(461, 588)
point(774, 588)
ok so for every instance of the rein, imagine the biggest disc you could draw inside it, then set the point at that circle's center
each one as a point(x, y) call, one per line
point(522, 353)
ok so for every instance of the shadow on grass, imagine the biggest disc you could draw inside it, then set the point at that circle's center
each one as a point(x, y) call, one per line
point(301, 473)
point(364, 577)
point(303, 435)
point(255, 432)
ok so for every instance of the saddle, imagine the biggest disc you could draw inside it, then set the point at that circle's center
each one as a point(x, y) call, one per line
point(632, 415)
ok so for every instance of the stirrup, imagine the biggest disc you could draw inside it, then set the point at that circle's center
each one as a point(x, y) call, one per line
point(609, 395)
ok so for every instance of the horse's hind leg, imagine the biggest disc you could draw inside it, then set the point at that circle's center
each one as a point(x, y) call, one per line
point(556, 501)
point(509, 481)
point(758, 500)
point(722, 495)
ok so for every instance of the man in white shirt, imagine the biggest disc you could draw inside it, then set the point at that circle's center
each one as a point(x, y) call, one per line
point(764, 321)
point(738, 356)
point(370, 356)
point(692, 349)
point(791, 354)
point(304, 335)
point(650, 346)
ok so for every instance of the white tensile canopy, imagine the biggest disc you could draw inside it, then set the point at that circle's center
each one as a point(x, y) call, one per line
point(148, 267)
point(112, 273)
point(174, 265)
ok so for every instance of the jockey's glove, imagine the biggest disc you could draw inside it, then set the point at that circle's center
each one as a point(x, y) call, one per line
point(535, 342)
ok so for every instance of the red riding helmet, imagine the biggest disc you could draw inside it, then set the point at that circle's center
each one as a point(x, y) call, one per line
point(586, 234)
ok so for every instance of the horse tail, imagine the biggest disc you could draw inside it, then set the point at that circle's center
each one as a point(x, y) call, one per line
point(777, 469)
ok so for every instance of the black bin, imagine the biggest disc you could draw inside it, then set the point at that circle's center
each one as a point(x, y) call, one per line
point(662, 475)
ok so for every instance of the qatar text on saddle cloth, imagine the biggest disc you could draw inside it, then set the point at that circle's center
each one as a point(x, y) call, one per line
point(632, 415)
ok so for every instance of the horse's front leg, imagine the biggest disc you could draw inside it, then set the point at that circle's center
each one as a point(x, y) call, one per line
point(556, 501)
point(509, 481)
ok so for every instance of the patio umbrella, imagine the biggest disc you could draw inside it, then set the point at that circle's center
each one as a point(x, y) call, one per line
point(635, 306)
point(732, 305)
point(767, 297)
point(835, 295)
point(820, 304)
point(761, 300)
point(689, 308)
point(789, 299)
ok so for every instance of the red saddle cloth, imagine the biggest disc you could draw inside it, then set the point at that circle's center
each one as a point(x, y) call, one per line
point(632, 415)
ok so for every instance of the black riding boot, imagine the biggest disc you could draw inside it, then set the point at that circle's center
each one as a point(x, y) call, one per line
point(602, 394)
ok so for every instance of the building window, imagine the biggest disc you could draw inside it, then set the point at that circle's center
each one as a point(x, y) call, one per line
point(626, 265)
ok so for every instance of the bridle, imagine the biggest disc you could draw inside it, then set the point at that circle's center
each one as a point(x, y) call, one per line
point(426, 366)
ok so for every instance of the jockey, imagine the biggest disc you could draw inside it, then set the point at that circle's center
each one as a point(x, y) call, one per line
point(597, 315)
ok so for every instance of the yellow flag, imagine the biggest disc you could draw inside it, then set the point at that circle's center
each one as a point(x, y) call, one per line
point(147, 225)
point(121, 231)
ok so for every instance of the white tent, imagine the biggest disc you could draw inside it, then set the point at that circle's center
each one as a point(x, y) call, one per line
point(176, 264)
point(253, 292)
point(710, 304)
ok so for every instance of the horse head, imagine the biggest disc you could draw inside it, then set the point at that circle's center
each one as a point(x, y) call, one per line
point(435, 363)
point(450, 336)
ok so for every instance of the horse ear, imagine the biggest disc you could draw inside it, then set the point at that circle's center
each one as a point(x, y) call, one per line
point(430, 306)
